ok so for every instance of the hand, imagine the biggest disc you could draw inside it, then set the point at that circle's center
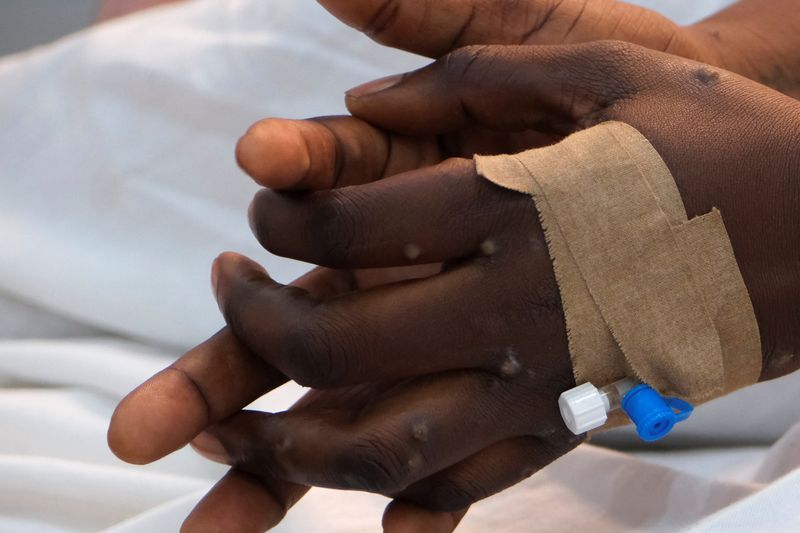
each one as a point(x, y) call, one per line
point(487, 333)
point(755, 38)
point(174, 406)
point(141, 436)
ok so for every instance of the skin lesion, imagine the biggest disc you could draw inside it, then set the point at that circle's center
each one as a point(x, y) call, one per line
point(706, 76)
point(779, 363)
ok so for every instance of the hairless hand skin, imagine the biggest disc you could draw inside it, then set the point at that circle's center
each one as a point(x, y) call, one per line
point(440, 391)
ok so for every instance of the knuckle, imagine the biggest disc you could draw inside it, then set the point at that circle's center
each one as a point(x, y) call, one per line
point(309, 357)
point(612, 53)
point(384, 19)
point(378, 464)
point(619, 64)
point(615, 48)
point(457, 166)
point(603, 74)
point(468, 61)
point(332, 228)
point(502, 204)
point(483, 194)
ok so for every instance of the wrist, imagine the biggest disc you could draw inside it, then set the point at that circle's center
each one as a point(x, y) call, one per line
point(778, 290)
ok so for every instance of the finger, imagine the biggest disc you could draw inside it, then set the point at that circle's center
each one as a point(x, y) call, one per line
point(171, 408)
point(436, 27)
point(402, 330)
point(434, 214)
point(167, 411)
point(328, 152)
point(256, 504)
point(415, 430)
point(240, 503)
point(544, 88)
point(406, 517)
point(492, 470)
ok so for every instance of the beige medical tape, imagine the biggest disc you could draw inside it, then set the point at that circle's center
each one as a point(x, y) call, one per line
point(646, 293)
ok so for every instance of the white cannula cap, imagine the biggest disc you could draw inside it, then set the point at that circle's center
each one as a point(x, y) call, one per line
point(583, 408)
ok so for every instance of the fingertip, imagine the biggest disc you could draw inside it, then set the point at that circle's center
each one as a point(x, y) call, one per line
point(367, 101)
point(405, 517)
point(224, 259)
point(359, 107)
point(272, 217)
point(374, 87)
point(410, 103)
point(231, 271)
point(231, 265)
point(210, 447)
point(273, 152)
point(121, 444)
point(347, 11)
point(159, 417)
point(241, 503)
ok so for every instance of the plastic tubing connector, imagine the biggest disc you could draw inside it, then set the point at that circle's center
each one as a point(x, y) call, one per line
point(586, 407)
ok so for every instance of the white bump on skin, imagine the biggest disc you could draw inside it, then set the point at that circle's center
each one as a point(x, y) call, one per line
point(415, 463)
point(412, 251)
point(535, 243)
point(489, 247)
point(781, 359)
point(284, 445)
point(511, 365)
point(420, 431)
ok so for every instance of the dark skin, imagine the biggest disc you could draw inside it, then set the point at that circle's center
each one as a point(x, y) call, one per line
point(755, 38)
point(468, 352)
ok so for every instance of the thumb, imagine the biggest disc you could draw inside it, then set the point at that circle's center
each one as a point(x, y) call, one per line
point(436, 27)
point(512, 88)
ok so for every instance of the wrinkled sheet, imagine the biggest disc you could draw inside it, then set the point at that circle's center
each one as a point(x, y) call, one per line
point(117, 189)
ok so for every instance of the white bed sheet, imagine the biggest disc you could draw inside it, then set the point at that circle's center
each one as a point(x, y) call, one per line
point(118, 187)
point(58, 475)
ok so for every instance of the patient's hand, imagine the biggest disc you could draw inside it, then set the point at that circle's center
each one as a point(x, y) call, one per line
point(478, 353)
point(216, 380)
point(488, 330)
point(755, 38)
point(175, 406)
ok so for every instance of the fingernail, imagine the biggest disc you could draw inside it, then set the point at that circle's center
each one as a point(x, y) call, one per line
point(210, 447)
point(375, 86)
